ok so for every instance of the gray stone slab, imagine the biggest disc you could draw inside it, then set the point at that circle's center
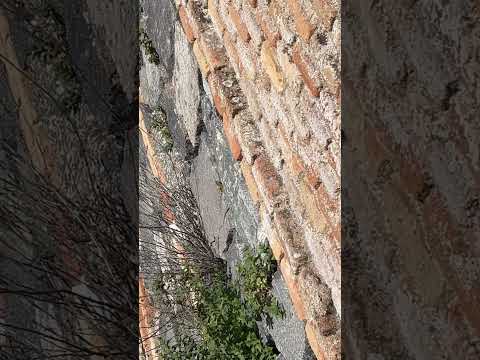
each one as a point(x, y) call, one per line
point(186, 82)
point(209, 192)
point(288, 333)
point(157, 80)
point(158, 18)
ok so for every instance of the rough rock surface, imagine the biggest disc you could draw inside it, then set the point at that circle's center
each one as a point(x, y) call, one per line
point(187, 94)
point(229, 214)
point(81, 34)
point(288, 333)
point(272, 70)
point(208, 192)
point(411, 212)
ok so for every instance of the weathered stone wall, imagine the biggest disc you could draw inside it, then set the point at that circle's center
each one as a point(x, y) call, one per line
point(146, 319)
point(272, 71)
point(411, 220)
point(229, 210)
point(228, 213)
point(51, 141)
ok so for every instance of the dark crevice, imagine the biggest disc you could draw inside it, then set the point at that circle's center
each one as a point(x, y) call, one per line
point(450, 90)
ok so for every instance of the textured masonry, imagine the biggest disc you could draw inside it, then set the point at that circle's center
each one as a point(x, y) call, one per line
point(273, 72)
point(146, 320)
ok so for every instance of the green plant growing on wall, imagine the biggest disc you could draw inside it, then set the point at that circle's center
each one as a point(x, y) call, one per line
point(255, 282)
point(150, 51)
point(227, 321)
point(184, 348)
point(226, 326)
point(159, 124)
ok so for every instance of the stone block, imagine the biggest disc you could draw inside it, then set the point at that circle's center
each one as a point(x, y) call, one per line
point(250, 181)
point(232, 139)
point(302, 24)
point(324, 347)
point(247, 13)
point(197, 17)
point(229, 25)
point(248, 136)
point(293, 290)
point(314, 206)
point(229, 43)
point(311, 333)
point(271, 67)
point(288, 333)
point(227, 95)
point(289, 69)
point(276, 245)
point(186, 89)
point(248, 61)
point(267, 178)
point(325, 12)
point(297, 165)
point(210, 198)
point(217, 21)
point(331, 80)
point(251, 96)
point(212, 49)
point(201, 60)
point(241, 28)
point(291, 237)
point(316, 294)
point(306, 71)
point(185, 21)
point(268, 28)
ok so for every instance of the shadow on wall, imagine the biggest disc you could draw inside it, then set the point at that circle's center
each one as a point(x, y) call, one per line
point(410, 203)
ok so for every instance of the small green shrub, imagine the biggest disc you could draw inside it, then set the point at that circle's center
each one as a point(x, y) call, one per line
point(159, 123)
point(227, 325)
point(147, 44)
point(255, 281)
point(185, 348)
